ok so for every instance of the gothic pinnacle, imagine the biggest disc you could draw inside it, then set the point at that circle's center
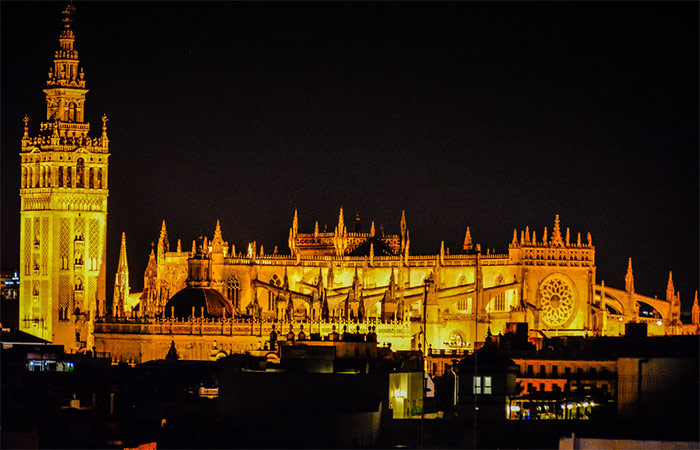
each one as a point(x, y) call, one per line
point(467, 241)
point(629, 278)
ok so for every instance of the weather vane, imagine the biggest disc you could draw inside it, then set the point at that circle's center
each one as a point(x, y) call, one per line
point(68, 12)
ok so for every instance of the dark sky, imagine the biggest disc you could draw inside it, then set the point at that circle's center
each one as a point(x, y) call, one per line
point(488, 115)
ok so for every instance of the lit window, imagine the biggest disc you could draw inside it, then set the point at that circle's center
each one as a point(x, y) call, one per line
point(487, 385)
point(482, 385)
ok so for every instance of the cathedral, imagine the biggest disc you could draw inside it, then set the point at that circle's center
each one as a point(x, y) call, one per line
point(210, 300)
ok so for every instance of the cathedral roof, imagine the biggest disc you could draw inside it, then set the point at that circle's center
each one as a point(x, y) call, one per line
point(215, 305)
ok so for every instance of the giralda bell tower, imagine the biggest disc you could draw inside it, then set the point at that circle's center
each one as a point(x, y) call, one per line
point(63, 191)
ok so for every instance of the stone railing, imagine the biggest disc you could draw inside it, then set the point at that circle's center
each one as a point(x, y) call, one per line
point(234, 327)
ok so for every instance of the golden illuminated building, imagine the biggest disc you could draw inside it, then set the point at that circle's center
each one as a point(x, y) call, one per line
point(63, 210)
point(350, 279)
point(211, 300)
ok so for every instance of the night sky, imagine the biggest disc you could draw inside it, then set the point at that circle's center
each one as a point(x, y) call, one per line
point(488, 115)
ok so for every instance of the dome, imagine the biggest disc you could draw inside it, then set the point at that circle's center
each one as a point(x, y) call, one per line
point(213, 302)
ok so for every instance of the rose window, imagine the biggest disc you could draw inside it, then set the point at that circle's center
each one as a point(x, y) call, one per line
point(556, 302)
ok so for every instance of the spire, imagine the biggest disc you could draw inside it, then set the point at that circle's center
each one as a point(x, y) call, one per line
point(371, 230)
point(629, 278)
point(568, 236)
point(695, 312)
point(163, 244)
point(544, 236)
point(295, 224)
point(121, 281)
point(122, 254)
point(179, 246)
point(556, 233)
point(341, 221)
point(468, 244)
point(670, 290)
point(405, 241)
point(527, 235)
point(515, 237)
point(194, 247)
point(316, 229)
point(217, 242)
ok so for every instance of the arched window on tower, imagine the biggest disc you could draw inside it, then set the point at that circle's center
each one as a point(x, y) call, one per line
point(99, 178)
point(48, 176)
point(91, 181)
point(23, 182)
point(80, 174)
point(60, 176)
point(233, 291)
point(72, 112)
point(275, 281)
point(69, 176)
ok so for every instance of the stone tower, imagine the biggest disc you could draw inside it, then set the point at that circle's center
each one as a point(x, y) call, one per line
point(63, 212)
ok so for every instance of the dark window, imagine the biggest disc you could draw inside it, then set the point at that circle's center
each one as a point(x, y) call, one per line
point(530, 370)
point(555, 370)
point(542, 370)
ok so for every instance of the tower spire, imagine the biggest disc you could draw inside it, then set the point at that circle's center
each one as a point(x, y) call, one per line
point(468, 245)
point(670, 290)
point(121, 281)
point(629, 278)
point(163, 244)
point(556, 233)
point(695, 312)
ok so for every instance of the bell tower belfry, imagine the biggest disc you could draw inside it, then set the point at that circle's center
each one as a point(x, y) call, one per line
point(63, 212)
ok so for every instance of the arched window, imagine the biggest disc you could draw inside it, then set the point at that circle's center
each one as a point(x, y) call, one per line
point(91, 181)
point(80, 174)
point(43, 176)
point(79, 284)
point(99, 178)
point(72, 112)
point(48, 176)
point(24, 177)
point(60, 176)
point(499, 302)
point(69, 175)
point(275, 281)
point(233, 290)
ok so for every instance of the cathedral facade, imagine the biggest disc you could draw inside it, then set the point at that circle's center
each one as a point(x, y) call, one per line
point(354, 281)
point(63, 192)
